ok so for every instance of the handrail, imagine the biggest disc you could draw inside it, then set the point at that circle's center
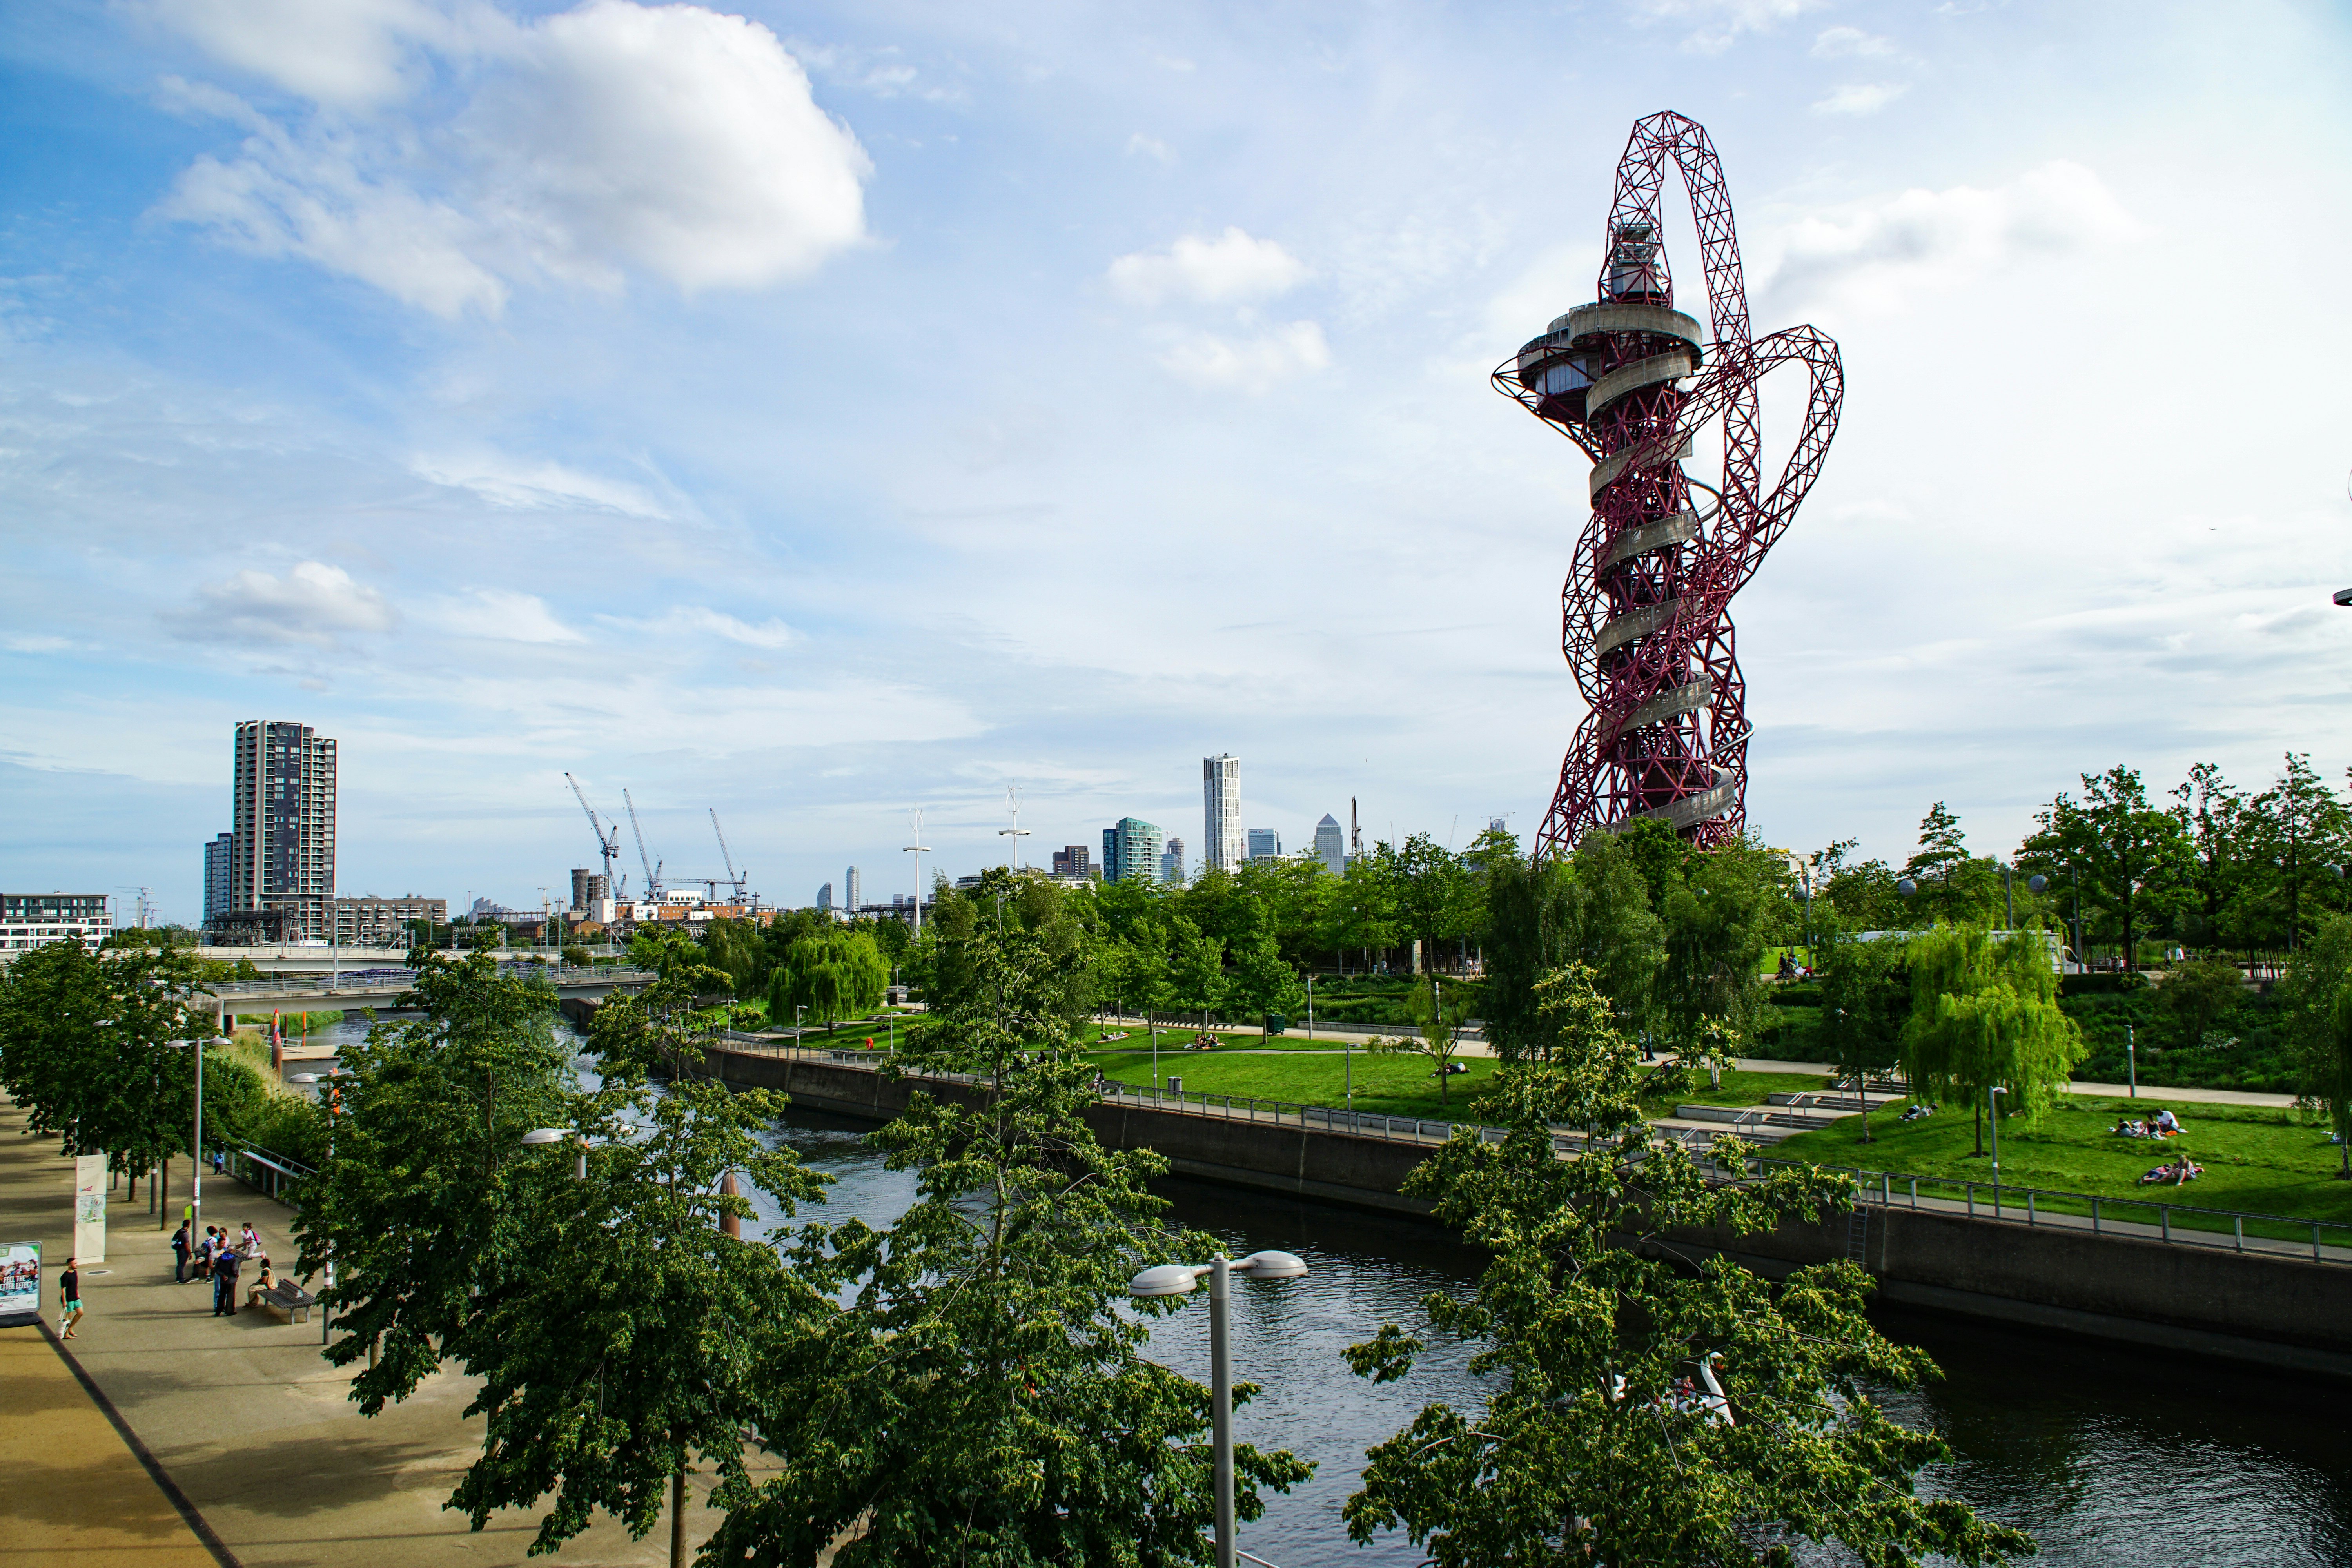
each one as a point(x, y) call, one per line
point(378, 979)
point(2003, 1206)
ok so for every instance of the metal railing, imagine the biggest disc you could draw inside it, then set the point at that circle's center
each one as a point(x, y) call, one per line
point(380, 979)
point(2186, 1224)
point(267, 1172)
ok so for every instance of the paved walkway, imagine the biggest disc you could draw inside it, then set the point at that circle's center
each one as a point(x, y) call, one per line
point(242, 1413)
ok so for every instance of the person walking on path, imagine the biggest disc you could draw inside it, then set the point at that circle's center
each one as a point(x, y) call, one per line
point(180, 1254)
point(68, 1300)
point(225, 1264)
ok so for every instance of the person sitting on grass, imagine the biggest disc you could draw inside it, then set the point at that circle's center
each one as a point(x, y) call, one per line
point(2166, 1124)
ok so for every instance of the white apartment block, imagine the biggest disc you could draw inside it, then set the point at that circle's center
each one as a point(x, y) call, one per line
point(34, 920)
point(1221, 810)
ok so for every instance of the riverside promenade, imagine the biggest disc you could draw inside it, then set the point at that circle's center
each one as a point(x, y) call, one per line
point(236, 1443)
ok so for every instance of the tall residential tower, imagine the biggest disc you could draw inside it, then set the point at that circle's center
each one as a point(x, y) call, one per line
point(282, 828)
point(1221, 810)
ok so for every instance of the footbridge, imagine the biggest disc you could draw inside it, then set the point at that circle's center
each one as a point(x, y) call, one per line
point(383, 986)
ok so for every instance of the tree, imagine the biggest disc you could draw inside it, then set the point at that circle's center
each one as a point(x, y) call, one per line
point(83, 1051)
point(1602, 1437)
point(2199, 994)
point(1438, 1035)
point(604, 1379)
point(2220, 870)
point(982, 1397)
point(839, 973)
point(1263, 981)
point(1984, 1012)
point(2298, 831)
point(2318, 980)
point(1614, 930)
point(1530, 909)
point(2130, 854)
point(417, 1207)
point(1196, 968)
point(1866, 1000)
point(1721, 910)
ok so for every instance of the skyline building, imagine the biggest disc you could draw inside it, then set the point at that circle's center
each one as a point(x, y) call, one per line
point(1221, 811)
point(1264, 844)
point(282, 828)
point(1331, 846)
point(1171, 863)
point(36, 919)
point(1131, 849)
point(852, 899)
point(217, 854)
point(825, 898)
point(1075, 860)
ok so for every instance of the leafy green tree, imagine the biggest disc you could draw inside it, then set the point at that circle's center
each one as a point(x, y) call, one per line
point(1721, 911)
point(1196, 968)
point(738, 949)
point(839, 973)
point(82, 1047)
point(1634, 1412)
point(605, 1378)
point(417, 1208)
point(1866, 1000)
point(982, 1395)
point(2221, 869)
point(1361, 913)
point(2199, 994)
point(1984, 1012)
point(2300, 834)
point(1531, 909)
point(2317, 979)
point(1614, 931)
point(1438, 1021)
point(1263, 981)
point(2133, 859)
point(1859, 895)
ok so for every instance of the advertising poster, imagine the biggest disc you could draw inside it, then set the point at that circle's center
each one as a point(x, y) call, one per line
point(20, 1281)
point(89, 1208)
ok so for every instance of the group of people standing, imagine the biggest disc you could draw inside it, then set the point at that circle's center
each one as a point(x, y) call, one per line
point(220, 1257)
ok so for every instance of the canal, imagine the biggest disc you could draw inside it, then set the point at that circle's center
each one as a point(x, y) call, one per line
point(2111, 1456)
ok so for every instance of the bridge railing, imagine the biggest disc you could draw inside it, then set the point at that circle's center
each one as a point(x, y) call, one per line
point(380, 980)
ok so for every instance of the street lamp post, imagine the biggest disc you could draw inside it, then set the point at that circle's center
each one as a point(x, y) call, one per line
point(1992, 1114)
point(1182, 1278)
point(2131, 1060)
point(196, 1152)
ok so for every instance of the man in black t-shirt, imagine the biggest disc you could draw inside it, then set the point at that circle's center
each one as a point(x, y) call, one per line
point(225, 1262)
point(68, 1300)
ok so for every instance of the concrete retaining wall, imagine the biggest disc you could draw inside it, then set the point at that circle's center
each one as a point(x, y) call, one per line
point(2210, 1300)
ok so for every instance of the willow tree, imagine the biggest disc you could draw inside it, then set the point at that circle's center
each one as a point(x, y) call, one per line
point(839, 973)
point(1984, 1014)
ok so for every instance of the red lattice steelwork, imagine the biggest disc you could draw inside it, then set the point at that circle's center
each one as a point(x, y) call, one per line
point(1645, 613)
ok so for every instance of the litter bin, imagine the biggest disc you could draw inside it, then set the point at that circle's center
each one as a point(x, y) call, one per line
point(1175, 1086)
point(1276, 1023)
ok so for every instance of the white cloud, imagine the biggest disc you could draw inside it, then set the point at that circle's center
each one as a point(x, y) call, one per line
point(1876, 255)
point(1141, 146)
point(1715, 25)
point(540, 486)
point(348, 53)
point(1858, 98)
point(1253, 364)
point(694, 620)
point(1843, 43)
point(675, 141)
point(1231, 269)
point(498, 614)
point(314, 603)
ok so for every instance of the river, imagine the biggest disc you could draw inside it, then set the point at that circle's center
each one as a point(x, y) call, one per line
point(2111, 1456)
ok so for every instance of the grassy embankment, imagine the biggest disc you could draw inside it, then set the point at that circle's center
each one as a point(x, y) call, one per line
point(2257, 1159)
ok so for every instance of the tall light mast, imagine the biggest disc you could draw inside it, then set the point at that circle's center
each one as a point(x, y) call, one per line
point(918, 850)
point(1016, 831)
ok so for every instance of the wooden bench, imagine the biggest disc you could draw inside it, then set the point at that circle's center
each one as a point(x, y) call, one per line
point(289, 1297)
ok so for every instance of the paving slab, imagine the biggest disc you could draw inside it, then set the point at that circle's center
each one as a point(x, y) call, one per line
point(242, 1413)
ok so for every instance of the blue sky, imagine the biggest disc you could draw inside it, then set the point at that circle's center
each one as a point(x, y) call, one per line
point(809, 411)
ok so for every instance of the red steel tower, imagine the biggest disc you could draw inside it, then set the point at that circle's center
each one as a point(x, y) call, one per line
point(1645, 613)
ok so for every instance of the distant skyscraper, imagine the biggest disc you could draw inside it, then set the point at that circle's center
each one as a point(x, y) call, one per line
point(1331, 844)
point(1132, 850)
point(1171, 863)
point(852, 898)
point(217, 861)
point(825, 898)
point(1073, 861)
point(1220, 811)
point(1264, 844)
point(282, 827)
point(589, 888)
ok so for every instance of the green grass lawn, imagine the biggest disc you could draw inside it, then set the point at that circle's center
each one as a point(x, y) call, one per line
point(1391, 1085)
point(2255, 1160)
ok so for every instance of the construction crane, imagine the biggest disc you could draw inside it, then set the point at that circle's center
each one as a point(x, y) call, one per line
point(735, 878)
point(608, 844)
point(653, 870)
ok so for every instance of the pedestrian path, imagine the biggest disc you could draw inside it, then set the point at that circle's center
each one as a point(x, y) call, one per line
point(242, 1413)
point(75, 1492)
